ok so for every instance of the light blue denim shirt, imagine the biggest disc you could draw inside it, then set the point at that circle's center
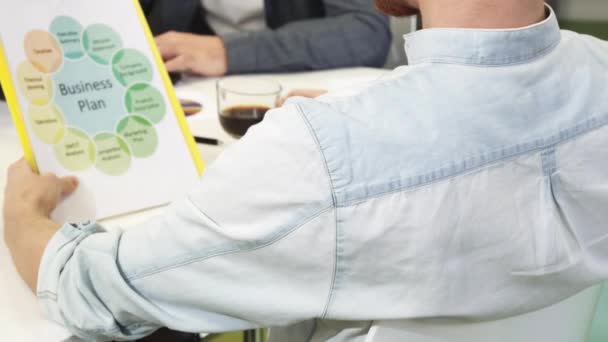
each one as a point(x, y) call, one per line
point(471, 184)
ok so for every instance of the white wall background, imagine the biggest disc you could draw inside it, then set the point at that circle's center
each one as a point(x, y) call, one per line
point(596, 10)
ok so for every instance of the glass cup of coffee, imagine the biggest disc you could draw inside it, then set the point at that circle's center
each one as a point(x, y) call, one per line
point(243, 102)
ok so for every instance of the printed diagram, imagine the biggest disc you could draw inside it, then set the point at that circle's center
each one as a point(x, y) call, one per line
point(89, 97)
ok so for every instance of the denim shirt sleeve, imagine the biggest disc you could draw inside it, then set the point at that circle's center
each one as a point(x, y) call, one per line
point(254, 245)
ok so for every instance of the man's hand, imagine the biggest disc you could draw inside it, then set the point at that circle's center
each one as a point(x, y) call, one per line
point(31, 196)
point(29, 201)
point(197, 54)
point(312, 93)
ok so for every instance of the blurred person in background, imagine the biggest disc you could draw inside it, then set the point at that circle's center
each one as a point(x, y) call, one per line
point(214, 38)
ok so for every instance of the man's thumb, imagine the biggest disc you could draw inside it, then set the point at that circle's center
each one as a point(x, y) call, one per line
point(68, 185)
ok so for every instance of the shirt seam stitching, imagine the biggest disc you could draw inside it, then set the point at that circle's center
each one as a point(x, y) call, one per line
point(47, 295)
point(235, 250)
point(489, 62)
point(44, 293)
point(548, 160)
point(593, 126)
point(334, 197)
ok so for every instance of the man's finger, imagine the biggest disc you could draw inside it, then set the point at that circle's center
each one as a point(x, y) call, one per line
point(165, 38)
point(167, 51)
point(162, 40)
point(68, 185)
point(177, 64)
point(20, 166)
point(312, 93)
point(167, 44)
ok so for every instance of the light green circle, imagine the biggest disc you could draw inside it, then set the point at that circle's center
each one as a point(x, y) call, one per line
point(101, 42)
point(140, 134)
point(76, 152)
point(68, 32)
point(47, 123)
point(113, 156)
point(131, 66)
point(146, 100)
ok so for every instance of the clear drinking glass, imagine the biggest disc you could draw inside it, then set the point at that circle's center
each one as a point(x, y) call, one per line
point(243, 102)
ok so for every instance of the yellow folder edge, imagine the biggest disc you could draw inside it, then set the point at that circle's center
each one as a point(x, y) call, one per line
point(177, 108)
point(15, 109)
point(17, 115)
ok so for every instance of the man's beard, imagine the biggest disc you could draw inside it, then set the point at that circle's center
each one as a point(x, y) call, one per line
point(396, 8)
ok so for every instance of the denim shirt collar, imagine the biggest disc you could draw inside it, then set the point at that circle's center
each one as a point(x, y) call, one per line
point(482, 46)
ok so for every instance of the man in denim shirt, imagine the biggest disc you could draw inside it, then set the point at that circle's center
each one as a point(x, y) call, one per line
point(471, 184)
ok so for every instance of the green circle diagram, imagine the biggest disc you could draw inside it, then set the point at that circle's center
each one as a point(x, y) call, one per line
point(43, 51)
point(131, 66)
point(47, 123)
point(76, 152)
point(140, 134)
point(101, 42)
point(113, 156)
point(35, 86)
point(69, 32)
point(146, 100)
point(76, 82)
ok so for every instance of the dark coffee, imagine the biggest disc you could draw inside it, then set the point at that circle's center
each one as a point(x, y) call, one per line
point(237, 120)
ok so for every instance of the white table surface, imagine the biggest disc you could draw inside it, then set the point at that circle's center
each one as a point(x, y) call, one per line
point(20, 317)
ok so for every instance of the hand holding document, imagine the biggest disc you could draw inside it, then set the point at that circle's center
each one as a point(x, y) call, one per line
point(90, 97)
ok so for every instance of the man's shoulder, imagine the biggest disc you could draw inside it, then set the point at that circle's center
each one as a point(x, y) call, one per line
point(351, 101)
point(444, 119)
point(372, 134)
point(588, 45)
point(392, 97)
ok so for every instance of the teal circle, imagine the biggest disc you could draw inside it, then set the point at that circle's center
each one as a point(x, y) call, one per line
point(68, 32)
point(140, 135)
point(88, 96)
point(101, 42)
point(131, 66)
point(146, 100)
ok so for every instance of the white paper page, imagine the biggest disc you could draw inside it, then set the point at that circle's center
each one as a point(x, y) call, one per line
point(95, 105)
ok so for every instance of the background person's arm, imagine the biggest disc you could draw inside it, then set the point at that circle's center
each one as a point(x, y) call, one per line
point(146, 5)
point(353, 33)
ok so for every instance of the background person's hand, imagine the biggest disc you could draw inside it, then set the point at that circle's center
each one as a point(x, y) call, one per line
point(312, 93)
point(30, 196)
point(196, 54)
